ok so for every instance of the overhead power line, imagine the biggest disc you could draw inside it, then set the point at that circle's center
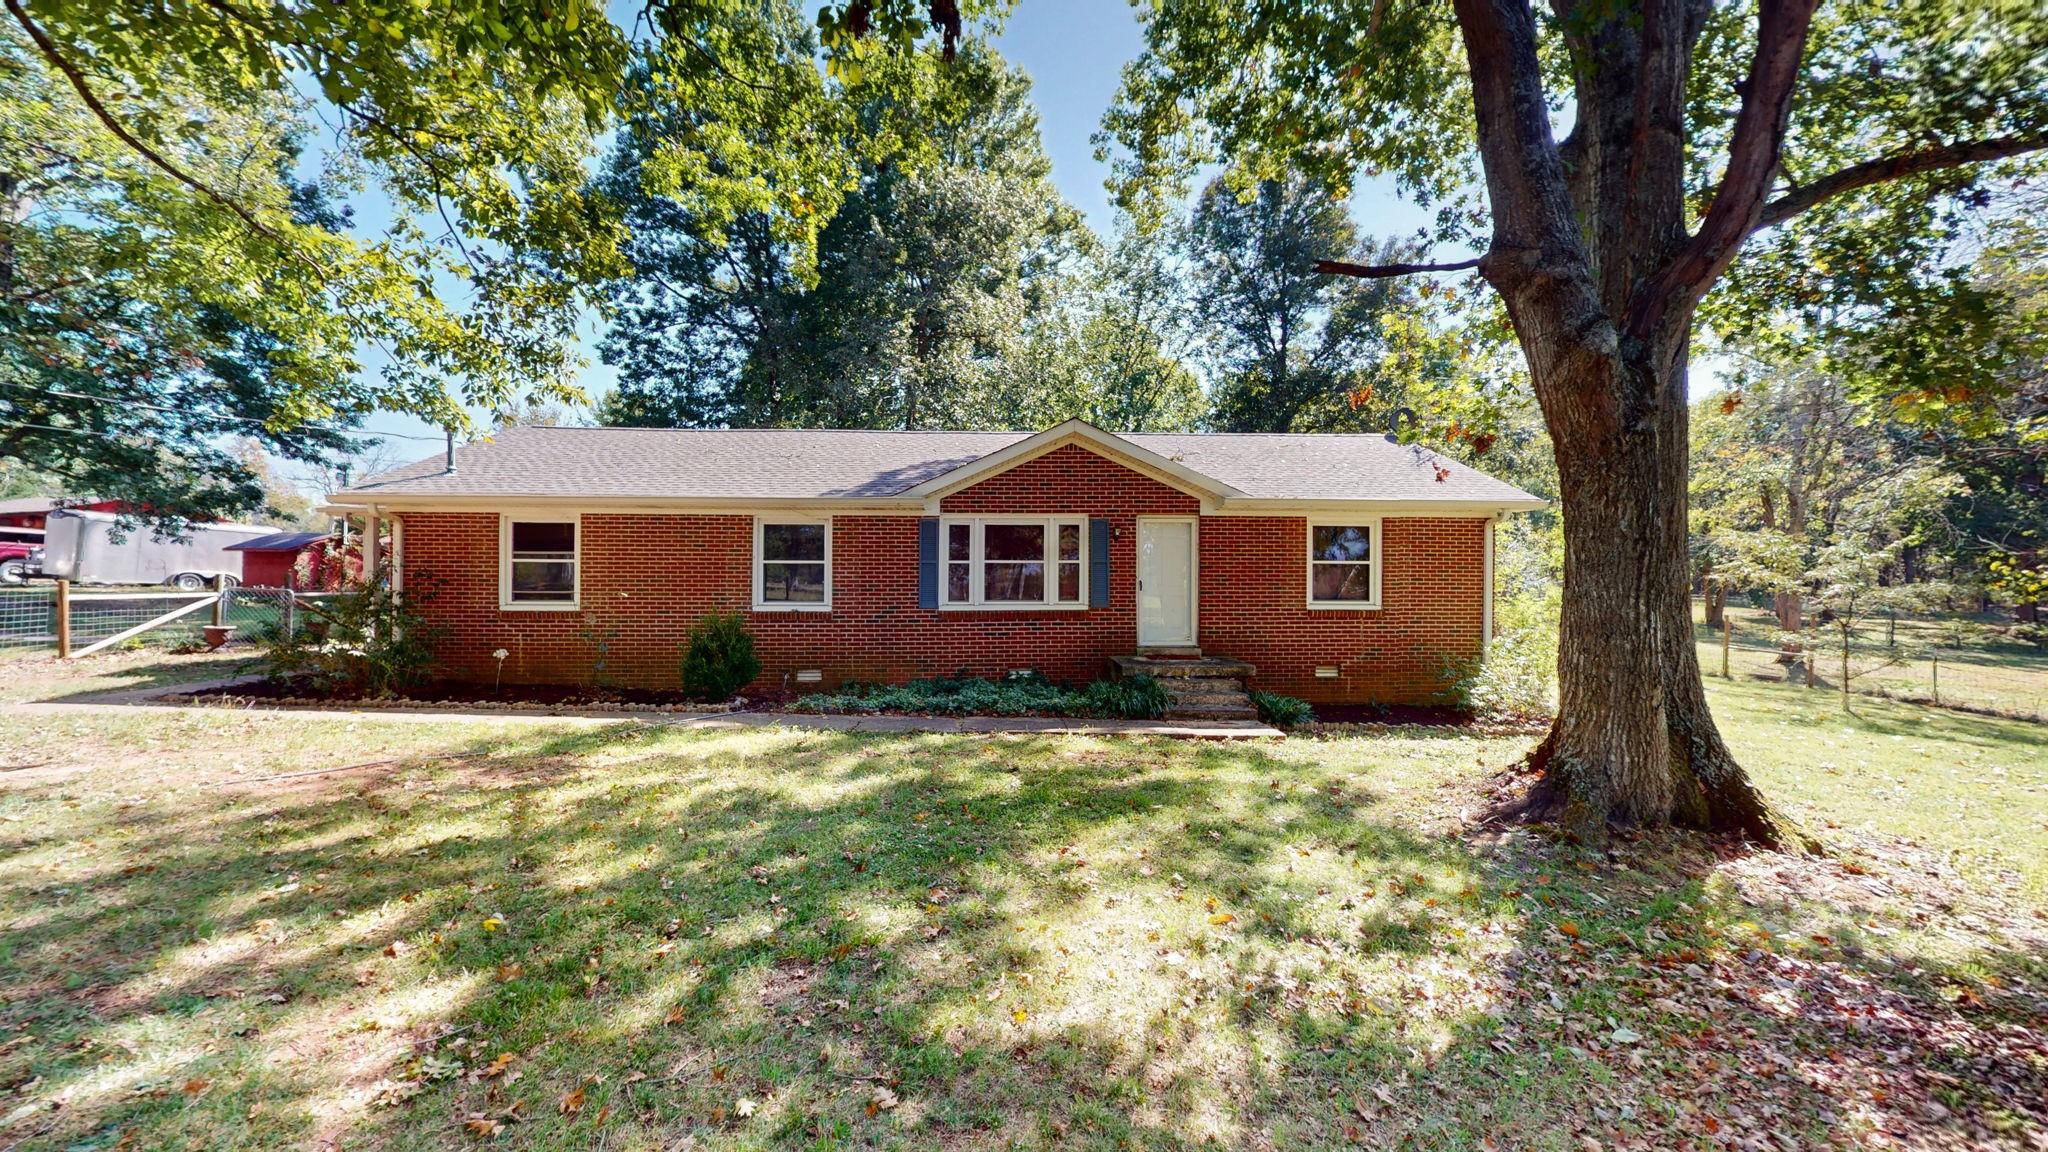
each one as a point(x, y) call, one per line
point(127, 403)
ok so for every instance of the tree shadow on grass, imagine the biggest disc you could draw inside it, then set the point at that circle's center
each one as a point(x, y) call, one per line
point(819, 939)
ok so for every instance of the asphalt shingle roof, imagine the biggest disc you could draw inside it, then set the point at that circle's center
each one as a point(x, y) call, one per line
point(277, 542)
point(788, 463)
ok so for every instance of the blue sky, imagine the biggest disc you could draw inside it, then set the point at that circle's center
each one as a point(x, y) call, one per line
point(1074, 51)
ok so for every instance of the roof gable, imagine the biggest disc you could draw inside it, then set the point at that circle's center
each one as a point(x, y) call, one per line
point(1081, 434)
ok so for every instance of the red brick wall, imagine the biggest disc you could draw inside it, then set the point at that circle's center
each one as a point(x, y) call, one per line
point(1253, 606)
point(645, 578)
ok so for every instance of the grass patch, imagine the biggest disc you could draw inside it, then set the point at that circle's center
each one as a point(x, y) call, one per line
point(549, 937)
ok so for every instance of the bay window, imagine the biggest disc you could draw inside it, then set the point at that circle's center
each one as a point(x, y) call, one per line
point(1013, 562)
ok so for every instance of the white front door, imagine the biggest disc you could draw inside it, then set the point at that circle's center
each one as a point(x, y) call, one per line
point(1166, 583)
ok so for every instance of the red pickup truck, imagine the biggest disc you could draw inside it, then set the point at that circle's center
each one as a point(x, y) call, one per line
point(15, 546)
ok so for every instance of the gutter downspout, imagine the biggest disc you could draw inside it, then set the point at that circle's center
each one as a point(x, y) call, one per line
point(1486, 612)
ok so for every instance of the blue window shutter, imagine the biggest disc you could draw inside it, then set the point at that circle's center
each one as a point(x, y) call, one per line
point(1098, 563)
point(928, 562)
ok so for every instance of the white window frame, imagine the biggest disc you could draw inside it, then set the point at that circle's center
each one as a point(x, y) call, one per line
point(760, 561)
point(977, 584)
point(505, 601)
point(1309, 561)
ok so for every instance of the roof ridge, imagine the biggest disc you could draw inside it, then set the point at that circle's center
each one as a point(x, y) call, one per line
point(847, 431)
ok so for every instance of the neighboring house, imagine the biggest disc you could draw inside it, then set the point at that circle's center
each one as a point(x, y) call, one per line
point(1345, 568)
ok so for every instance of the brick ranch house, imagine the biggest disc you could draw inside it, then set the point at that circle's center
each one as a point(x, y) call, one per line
point(1344, 568)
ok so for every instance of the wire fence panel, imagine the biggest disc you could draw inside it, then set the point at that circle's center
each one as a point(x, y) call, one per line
point(96, 615)
point(28, 619)
point(1912, 660)
point(28, 616)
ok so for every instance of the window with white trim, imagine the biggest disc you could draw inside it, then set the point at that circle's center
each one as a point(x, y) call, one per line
point(792, 564)
point(1013, 561)
point(1343, 564)
point(540, 562)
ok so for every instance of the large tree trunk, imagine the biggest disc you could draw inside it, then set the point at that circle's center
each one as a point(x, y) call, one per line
point(1592, 255)
point(1634, 742)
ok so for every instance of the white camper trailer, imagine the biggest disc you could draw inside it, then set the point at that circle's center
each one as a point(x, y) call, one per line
point(96, 548)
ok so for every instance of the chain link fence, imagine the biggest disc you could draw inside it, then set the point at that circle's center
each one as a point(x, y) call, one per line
point(29, 615)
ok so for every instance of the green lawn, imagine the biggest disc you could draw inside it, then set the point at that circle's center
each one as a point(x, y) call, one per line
point(629, 937)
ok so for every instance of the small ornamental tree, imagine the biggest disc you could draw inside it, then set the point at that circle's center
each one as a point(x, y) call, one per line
point(1849, 589)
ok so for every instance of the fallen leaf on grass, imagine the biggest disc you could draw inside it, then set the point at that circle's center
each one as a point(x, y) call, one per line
point(571, 1103)
point(1222, 918)
point(744, 1106)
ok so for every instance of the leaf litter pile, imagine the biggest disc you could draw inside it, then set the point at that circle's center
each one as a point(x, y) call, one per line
point(656, 939)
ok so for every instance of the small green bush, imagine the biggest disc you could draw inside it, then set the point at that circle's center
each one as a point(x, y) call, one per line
point(1132, 698)
point(1139, 697)
point(719, 659)
point(1281, 711)
point(368, 641)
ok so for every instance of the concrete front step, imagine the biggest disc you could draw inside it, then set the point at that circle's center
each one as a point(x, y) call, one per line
point(1182, 668)
point(1208, 699)
point(1212, 712)
point(1200, 685)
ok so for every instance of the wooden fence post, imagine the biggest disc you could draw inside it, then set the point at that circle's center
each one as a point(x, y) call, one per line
point(1727, 631)
point(1935, 660)
point(63, 619)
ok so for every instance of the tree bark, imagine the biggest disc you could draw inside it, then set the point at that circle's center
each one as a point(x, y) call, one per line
point(1716, 595)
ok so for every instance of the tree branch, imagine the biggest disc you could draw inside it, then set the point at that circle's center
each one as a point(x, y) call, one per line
point(49, 50)
point(1893, 167)
point(1755, 151)
point(1383, 271)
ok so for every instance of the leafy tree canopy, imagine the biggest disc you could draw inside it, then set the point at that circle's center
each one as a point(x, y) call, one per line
point(160, 144)
point(961, 291)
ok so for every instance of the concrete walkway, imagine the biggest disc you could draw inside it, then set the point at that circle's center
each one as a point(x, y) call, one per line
point(145, 700)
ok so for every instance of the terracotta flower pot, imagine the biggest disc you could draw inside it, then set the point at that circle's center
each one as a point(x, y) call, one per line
point(218, 634)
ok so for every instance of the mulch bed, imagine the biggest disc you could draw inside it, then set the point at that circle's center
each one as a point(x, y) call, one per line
point(1379, 719)
point(464, 694)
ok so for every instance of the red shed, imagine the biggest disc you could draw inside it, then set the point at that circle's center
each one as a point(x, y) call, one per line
point(273, 561)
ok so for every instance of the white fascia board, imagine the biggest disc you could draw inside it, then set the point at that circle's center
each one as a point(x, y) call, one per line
point(1106, 444)
point(342, 503)
point(1474, 509)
